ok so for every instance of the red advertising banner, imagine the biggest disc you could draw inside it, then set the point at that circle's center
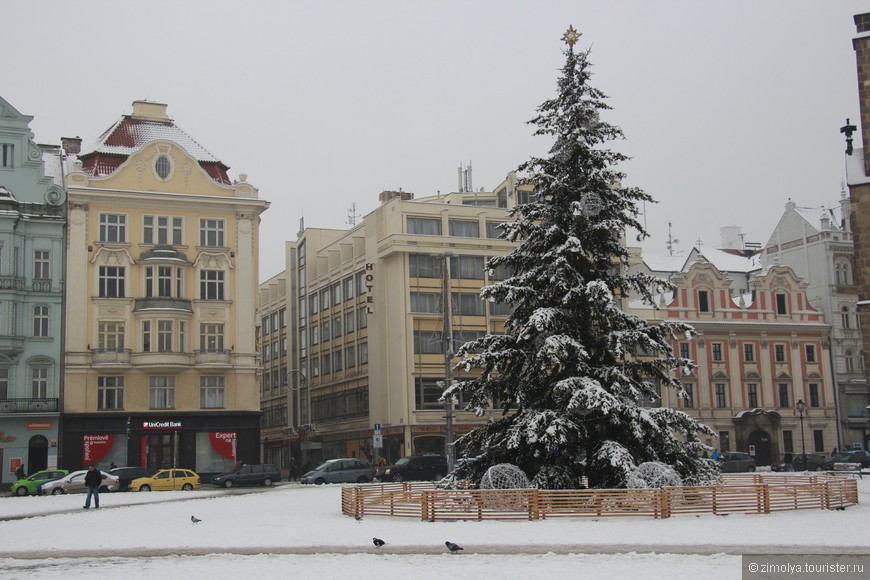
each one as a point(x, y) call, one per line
point(38, 425)
point(224, 444)
point(96, 447)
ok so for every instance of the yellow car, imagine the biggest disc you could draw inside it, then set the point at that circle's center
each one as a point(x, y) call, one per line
point(167, 480)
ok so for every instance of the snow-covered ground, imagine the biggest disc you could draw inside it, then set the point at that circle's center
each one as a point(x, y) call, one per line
point(294, 529)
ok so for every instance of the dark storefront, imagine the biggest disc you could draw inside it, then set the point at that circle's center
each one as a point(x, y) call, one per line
point(206, 443)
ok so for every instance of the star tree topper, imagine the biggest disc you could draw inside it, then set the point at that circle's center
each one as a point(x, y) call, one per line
point(571, 36)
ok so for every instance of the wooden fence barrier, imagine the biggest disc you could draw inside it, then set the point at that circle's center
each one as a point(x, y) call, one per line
point(755, 493)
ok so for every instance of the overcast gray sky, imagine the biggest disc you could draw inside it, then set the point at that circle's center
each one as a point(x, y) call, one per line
point(729, 108)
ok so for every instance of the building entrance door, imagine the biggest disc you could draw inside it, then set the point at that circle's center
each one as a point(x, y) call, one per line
point(161, 450)
point(37, 454)
point(760, 440)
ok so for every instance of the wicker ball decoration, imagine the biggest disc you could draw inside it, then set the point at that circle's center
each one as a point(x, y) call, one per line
point(504, 476)
point(654, 474)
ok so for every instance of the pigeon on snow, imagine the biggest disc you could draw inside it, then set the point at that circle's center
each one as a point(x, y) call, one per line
point(378, 542)
point(358, 518)
point(194, 520)
point(454, 548)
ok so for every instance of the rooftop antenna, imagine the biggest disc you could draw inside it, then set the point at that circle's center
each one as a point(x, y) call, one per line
point(465, 178)
point(671, 241)
point(847, 130)
point(352, 215)
point(698, 243)
point(301, 226)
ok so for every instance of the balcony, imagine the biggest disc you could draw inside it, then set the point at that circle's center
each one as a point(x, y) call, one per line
point(161, 359)
point(162, 303)
point(42, 286)
point(11, 283)
point(11, 345)
point(29, 405)
point(110, 356)
point(212, 357)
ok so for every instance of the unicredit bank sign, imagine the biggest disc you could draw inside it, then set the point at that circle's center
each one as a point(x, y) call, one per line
point(161, 425)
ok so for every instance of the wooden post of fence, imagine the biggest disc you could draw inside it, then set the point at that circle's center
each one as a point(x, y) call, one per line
point(533, 500)
point(765, 498)
point(714, 499)
point(424, 506)
point(826, 496)
point(665, 500)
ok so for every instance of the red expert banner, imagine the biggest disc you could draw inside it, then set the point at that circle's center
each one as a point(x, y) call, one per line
point(96, 447)
point(224, 444)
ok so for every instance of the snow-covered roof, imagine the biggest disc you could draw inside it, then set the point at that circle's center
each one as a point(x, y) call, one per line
point(664, 263)
point(855, 174)
point(728, 262)
point(128, 135)
point(53, 165)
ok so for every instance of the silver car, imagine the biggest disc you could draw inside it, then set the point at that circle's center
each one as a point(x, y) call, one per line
point(345, 470)
point(75, 483)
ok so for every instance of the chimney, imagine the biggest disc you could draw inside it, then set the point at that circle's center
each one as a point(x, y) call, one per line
point(150, 111)
point(861, 44)
point(386, 196)
point(72, 145)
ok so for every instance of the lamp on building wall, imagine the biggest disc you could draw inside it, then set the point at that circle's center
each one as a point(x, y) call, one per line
point(801, 407)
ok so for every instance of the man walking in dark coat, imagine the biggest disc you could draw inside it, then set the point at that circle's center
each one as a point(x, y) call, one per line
point(93, 481)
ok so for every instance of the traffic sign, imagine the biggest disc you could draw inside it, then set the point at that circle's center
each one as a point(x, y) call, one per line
point(378, 442)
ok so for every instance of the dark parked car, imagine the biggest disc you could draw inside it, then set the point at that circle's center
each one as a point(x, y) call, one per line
point(736, 462)
point(342, 470)
point(127, 474)
point(852, 456)
point(415, 468)
point(253, 474)
point(808, 462)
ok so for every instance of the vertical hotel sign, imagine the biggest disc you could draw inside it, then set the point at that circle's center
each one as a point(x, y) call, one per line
point(370, 284)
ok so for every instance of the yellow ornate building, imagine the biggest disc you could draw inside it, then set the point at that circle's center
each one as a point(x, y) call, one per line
point(162, 254)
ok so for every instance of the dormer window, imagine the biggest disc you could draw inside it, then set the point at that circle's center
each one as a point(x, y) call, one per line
point(703, 301)
point(781, 304)
point(163, 167)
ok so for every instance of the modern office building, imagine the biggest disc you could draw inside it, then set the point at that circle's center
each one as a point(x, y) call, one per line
point(162, 260)
point(32, 219)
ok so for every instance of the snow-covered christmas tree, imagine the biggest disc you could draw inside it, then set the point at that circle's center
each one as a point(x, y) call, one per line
point(567, 371)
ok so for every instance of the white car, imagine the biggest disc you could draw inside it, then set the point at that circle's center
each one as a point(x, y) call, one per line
point(75, 483)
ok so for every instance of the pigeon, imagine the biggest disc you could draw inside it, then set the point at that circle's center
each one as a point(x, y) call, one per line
point(454, 548)
point(378, 542)
point(840, 508)
point(358, 518)
point(194, 520)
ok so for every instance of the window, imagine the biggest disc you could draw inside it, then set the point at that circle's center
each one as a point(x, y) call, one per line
point(39, 382)
point(467, 304)
point(162, 166)
point(466, 267)
point(425, 302)
point(779, 353)
point(315, 334)
point(347, 287)
point(40, 321)
point(7, 155)
point(501, 272)
point(703, 301)
point(211, 337)
point(464, 229)
point(264, 326)
point(424, 226)
point(814, 395)
point(111, 282)
point(162, 229)
point(783, 395)
point(428, 391)
point(110, 393)
point(41, 265)
point(810, 349)
point(721, 399)
point(211, 284)
point(787, 442)
point(336, 327)
point(717, 351)
point(684, 350)
point(336, 294)
point(110, 336)
point(781, 304)
point(424, 266)
point(315, 366)
point(162, 392)
point(303, 343)
point(819, 440)
point(363, 353)
point(687, 396)
point(362, 318)
point(325, 363)
point(428, 342)
point(211, 392)
point(846, 317)
point(211, 233)
point(163, 281)
point(325, 299)
point(336, 361)
point(113, 227)
point(313, 304)
point(752, 395)
point(4, 383)
point(843, 274)
point(325, 331)
point(350, 356)
point(493, 229)
point(749, 352)
point(349, 322)
point(164, 336)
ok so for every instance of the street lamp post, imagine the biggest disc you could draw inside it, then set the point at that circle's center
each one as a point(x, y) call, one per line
point(297, 419)
point(448, 357)
point(801, 407)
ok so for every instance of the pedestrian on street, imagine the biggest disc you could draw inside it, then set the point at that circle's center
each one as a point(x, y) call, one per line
point(19, 471)
point(93, 481)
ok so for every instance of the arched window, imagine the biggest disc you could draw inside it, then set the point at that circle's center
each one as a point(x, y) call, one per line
point(162, 166)
point(846, 317)
point(842, 272)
